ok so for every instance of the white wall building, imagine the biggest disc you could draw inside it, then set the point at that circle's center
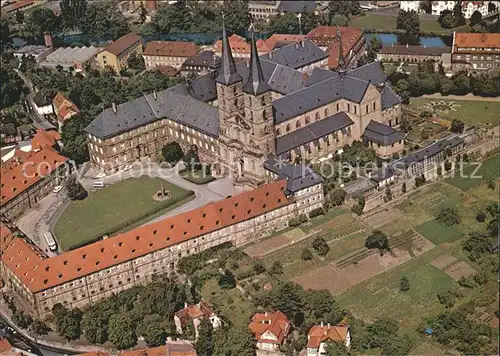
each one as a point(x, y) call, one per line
point(409, 6)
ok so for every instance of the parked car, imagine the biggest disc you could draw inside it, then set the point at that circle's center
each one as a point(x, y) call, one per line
point(127, 167)
point(98, 185)
point(57, 189)
point(101, 175)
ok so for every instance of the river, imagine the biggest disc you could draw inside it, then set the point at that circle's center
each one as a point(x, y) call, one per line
point(391, 38)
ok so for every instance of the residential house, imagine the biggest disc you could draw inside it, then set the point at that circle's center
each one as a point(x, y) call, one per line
point(202, 63)
point(116, 54)
point(319, 336)
point(270, 330)
point(42, 104)
point(168, 53)
point(64, 109)
point(192, 315)
point(476, 51)
point(331, 38)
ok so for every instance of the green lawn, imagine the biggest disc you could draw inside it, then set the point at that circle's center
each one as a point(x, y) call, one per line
point(438, 233)
point(113, 208)
point(381, 22)
point(231, 304)
point(489, 169)
point(477, 113)
point(380, 296)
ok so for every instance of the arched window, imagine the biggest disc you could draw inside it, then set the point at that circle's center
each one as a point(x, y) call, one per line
point(308, 120)
point(278, 131)
point(263, 100)
point(327, 112)
point(297, 124)
point(288, 128)
point(222, 89)
point(236, 102)
point(317, 116)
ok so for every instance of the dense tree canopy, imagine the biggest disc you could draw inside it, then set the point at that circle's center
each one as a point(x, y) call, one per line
point(40, 21)
point(410, 23)
point(11, 86)
point(121, 331)
point(284, 23)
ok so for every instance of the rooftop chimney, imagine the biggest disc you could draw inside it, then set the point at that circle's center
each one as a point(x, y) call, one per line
point(302, 43)
point(113, 105)
point(407, 45)
point(48, 40)
point(185, 305)
point(265, 314)
point(322, 324)
point(271, 55)
point(155, 95)
point(328, 326)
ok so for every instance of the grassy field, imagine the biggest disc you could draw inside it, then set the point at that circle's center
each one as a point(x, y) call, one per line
point(381, 297)
point(438, 233)
point(489, 169)
point(229, 303)
point(381, 22)
point(112, 208)
point(477, 113)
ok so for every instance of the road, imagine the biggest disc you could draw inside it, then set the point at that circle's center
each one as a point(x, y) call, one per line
point(20, 341)
point(38, 121)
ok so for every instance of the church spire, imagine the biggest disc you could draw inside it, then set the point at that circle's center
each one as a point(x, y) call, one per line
point(256, 84)
point(341, 51)
point(227, 74)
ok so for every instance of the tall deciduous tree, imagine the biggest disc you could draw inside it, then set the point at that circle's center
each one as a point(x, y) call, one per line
point(40, 21)
point(284, 23)
point(236, 15)
point(378, 240)
point(410, 23)
point(204, 342)
point(75, 189)
point(289, 300)
point(72, 13)
point(122, 331)
point(104, 20)
point(172, 152)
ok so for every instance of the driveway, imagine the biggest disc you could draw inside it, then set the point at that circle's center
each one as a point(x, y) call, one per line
point(41, 219)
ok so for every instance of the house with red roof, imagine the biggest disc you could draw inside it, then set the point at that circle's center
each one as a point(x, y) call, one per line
point(64, 109)
point(270, 330)
point(319, 336)
point(193, 315)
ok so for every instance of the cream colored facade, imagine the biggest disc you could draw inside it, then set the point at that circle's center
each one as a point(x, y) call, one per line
point(117, 62)
point(97, 286)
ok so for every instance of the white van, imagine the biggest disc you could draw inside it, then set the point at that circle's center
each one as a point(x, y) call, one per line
point(50, 241)
point(98, 184)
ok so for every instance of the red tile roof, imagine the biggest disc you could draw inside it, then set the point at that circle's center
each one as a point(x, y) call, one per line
point(169, 71)
point(275, 323)
point(45, 138)
point(327, 35)
point(20, 174)
point(171, 49)
point(478, 41)
point(277, 38)
point(326, 333)
point(123, 43)
point(4, 345)
point(64, 107)
point(38, 274)
point(201, 310)
point(175, 348)
point(19, 5)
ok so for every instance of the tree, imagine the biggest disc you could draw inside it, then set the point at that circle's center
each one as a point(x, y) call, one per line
point(287, 297)
point(447, 86)
point(236, 15)
point(308, 21)
point(72, 13)
point(439, 171)
point(40, 21)
point(360, 206)
point(481, 216)
point(448, 216)
point(373, 48)
point(75, 189)
point(404, 284)
point(419, 181)
point(276, 268)
point(337, 197)
point(204, 342)
point(122, 331)
point(67, 321)
point(95, 324)
point(491, 184)
point(19, 17)
point(191, 159)
point(4, 33)
point(11, 85)
point(387, 194)
point(336, 349)
point(457, 126)
point(135, 61)
point(379, 240)
point(410, 23)
point(306, 254)
point(447, 166)
point(339, 20)
point(153, 331)
point(447, 298)
point(476, 18)
point(163, 297)
point(74, 139)
point(21, 319)
point(103, 19)
point(284, 23)
point(446, 19)
point(321, 247)
point(458, 16)
point(39, 328)
point(384, 334)
point(319, 305)
point(258, 267)
point(227, 280)
point(345, 8)
point(242, 342)
point(403, 187)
